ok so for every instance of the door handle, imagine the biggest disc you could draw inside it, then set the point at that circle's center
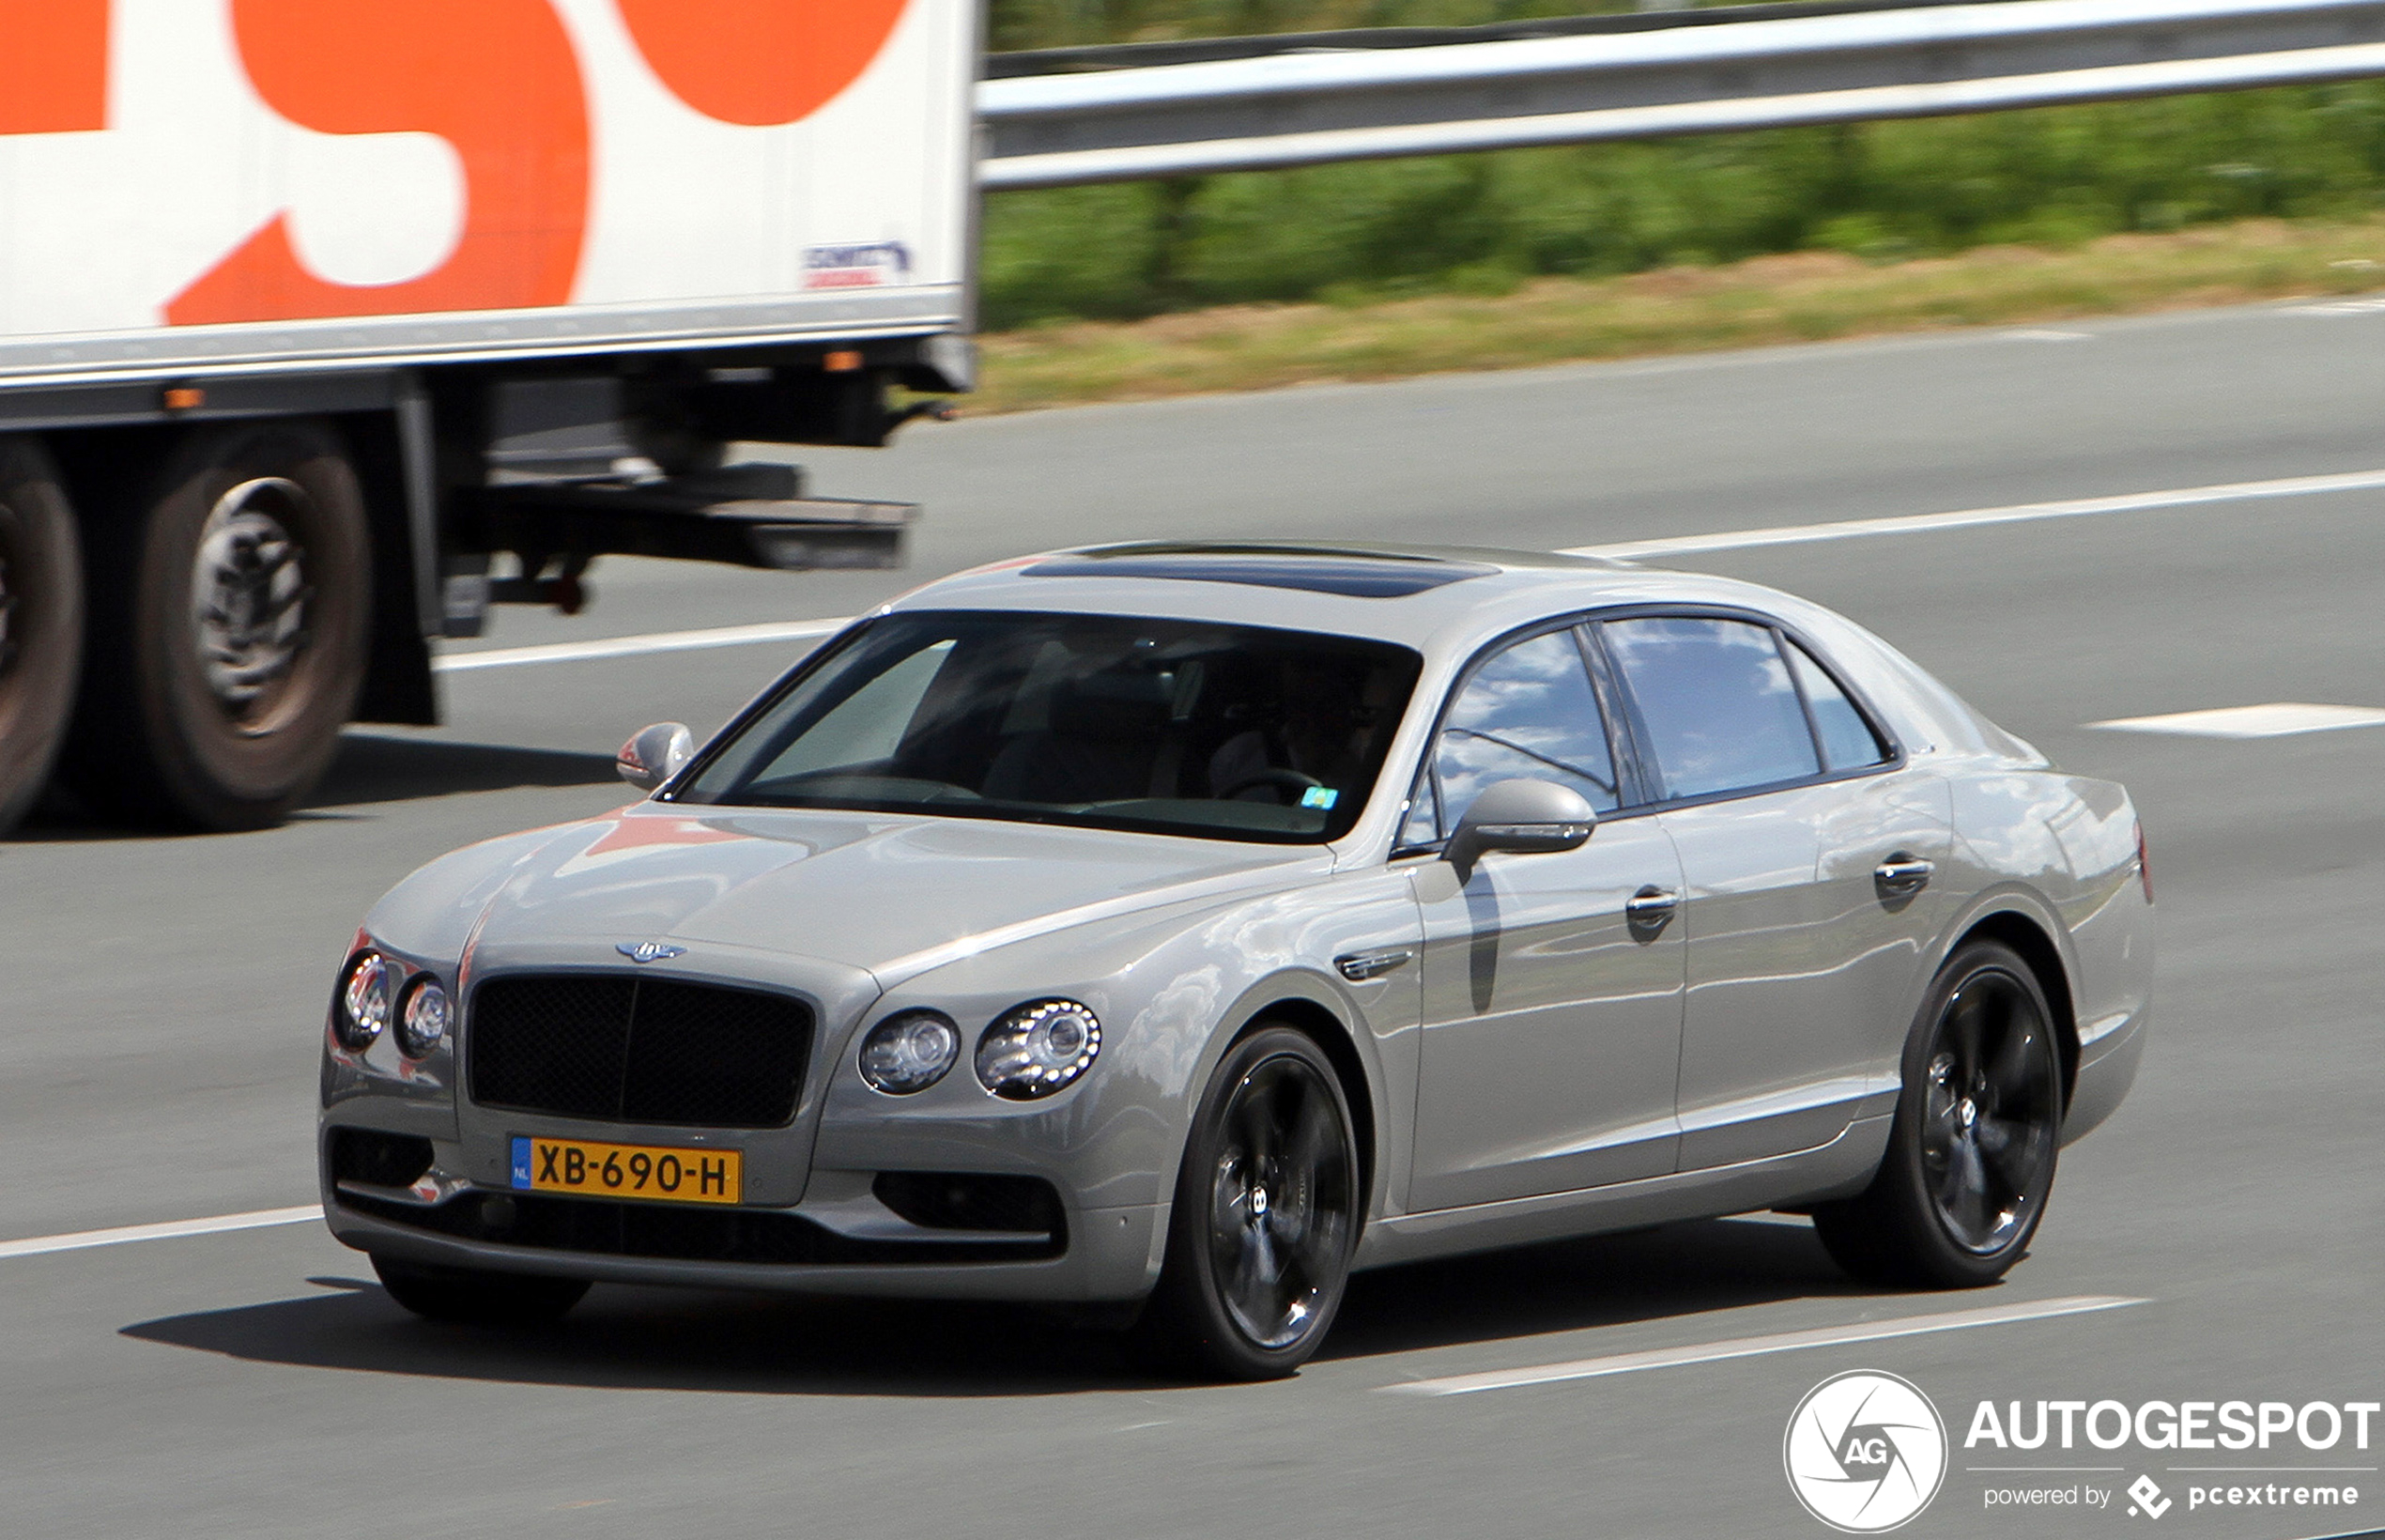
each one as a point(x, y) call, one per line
point(1902, 874)
point(1652, 903)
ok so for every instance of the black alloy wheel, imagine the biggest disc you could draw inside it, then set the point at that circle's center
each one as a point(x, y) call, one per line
point(1972, 1153)
point(40, 622)
point(476, 1298)
point(230, 612)
point(1266, 1216)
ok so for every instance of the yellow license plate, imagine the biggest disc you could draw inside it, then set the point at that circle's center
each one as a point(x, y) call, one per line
point(656, 1173)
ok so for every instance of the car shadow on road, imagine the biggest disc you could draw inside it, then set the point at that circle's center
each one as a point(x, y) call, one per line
point(689, 1340)
point(370, 767)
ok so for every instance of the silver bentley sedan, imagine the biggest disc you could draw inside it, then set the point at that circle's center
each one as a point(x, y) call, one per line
point(1170, 929)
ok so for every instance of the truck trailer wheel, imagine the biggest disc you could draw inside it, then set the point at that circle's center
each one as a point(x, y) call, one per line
point(230, 618)
point(40, 621)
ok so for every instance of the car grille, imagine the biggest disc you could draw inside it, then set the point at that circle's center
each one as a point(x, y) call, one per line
point(634, 1050)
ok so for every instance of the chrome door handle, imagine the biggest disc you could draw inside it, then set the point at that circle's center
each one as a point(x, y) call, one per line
point(1901, 873)
point(1651, 904)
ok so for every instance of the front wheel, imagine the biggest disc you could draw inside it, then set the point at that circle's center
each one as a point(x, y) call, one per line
point(1971, 1153)
point(1266, 1215)
point(477, 1298)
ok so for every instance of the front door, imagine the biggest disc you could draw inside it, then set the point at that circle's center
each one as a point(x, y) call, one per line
point(1552, 1019)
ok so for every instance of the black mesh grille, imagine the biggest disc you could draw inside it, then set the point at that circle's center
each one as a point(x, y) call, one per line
point(969, 1201)
point(377, 1158)
point(636, 1050)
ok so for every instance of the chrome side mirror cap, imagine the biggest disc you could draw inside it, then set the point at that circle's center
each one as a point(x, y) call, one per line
point(656, 754)
point(1522, 817)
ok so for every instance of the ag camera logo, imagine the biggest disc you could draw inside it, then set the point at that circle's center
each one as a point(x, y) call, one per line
point(1865, 1452)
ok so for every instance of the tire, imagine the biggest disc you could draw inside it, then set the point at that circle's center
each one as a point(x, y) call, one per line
point(40, 622)
point(1268, 1205)
point(231, 608)
point(476, 1298)
point(1972, 1151)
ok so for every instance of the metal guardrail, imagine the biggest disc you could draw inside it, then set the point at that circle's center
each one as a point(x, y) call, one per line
point(1292, 108)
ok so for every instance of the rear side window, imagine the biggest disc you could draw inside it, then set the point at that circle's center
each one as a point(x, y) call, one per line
point(1716, 698)
point(1848, 742)
point(1527, 713)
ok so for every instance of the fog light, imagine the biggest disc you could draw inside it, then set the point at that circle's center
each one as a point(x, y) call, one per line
point(422, 1026)
point(1034, 1050)
point(909, 1052)
point(363, 1007)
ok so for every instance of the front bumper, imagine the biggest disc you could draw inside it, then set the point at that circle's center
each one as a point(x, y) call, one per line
point(842, 1239)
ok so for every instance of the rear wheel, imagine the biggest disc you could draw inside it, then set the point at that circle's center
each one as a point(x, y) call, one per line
point(40, 622)
point(1265, 1214)
point(475, 1297)
point(1971, 1154)
point(230, 626)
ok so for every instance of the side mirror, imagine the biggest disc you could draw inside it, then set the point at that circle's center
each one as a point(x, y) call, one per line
point(654, 755)
point(1526, 817)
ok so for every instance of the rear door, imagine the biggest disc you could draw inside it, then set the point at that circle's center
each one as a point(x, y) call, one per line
point(1807, 849)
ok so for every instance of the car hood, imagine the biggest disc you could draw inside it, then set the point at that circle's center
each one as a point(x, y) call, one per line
point(890, 894)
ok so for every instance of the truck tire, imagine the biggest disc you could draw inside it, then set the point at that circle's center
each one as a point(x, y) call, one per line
point(40, 622)
point(230, 624)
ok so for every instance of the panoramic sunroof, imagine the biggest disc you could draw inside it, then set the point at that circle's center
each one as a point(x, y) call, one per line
point(1356, 574)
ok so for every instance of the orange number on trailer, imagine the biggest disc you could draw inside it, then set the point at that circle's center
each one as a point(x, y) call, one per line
point(496, 79)
point(760, 62)
point(54, 68)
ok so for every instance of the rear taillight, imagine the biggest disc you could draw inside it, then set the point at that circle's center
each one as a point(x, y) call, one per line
point(2144, 868)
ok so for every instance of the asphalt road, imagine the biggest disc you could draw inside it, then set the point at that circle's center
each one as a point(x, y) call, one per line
point(160, 1002)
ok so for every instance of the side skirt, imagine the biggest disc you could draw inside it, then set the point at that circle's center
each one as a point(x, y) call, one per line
point(1837, 1169)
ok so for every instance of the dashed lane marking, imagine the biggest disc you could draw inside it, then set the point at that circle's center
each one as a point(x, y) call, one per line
point(2278, 720)
point(1782, 1342)
point(172, 1229)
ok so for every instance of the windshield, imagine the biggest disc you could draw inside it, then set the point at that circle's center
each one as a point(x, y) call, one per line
point(1106, 721)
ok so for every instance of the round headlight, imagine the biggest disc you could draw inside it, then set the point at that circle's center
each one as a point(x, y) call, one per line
point(364, 1009)
point(909, 1052)
point(1033, 1050)
point(422, 1026)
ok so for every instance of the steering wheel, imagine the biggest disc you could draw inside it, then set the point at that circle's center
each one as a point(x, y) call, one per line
point(1274, 774)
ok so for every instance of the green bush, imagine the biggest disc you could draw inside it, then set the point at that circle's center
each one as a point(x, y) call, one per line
point(1480, 224)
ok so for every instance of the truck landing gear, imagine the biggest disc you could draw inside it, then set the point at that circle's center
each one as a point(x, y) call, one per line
point(233, 639)
point(40, 621)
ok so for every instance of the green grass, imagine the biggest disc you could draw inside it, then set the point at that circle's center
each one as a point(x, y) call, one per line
point(1485, 224)
point(1765, 300)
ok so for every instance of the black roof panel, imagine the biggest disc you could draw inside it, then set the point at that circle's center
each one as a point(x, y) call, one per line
point(1357, 574)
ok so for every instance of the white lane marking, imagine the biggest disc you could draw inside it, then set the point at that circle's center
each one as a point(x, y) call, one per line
point(2278, 720)
point(1783, 1342)
point(2024, 513)
point(653, 641)
point(259, 1219)
point(2038, 333)
point(1797, 535)
point(2339, 307)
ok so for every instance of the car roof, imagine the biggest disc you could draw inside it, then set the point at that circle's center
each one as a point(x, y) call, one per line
point(1435, 598)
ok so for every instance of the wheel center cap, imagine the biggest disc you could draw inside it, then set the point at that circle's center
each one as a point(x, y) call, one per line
point(1966, 1112)
point(1258, 1200)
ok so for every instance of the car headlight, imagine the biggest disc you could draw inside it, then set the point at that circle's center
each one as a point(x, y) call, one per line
point(364, 1009)
point(909, 1052)
point(422, 1026)
point(1034, 1048)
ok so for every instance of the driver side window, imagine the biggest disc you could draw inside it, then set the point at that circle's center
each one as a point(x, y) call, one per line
point(1527, 712)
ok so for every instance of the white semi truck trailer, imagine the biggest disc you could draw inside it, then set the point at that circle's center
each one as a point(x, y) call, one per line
point(327, 324)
